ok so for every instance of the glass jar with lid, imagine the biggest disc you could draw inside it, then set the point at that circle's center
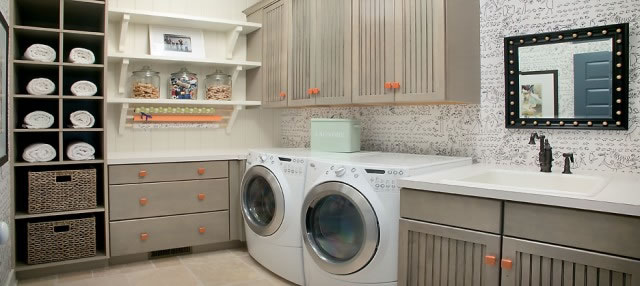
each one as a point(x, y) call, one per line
point(183, 84)
point(145, 83)
point(218, 86)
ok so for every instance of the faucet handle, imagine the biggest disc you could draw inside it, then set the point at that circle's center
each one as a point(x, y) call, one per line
point(532, 139)
point(568, 155)
point(568, 159)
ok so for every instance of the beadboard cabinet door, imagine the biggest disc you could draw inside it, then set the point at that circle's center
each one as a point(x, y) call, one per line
point(274, 59)
point(301, 33)
point(373, 50)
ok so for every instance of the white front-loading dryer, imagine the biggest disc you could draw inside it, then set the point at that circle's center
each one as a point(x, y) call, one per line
point(350, 216)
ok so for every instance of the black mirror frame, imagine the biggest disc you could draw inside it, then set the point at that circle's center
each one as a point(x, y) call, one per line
point(619, 34)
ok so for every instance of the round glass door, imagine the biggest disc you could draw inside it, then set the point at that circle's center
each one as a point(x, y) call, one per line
point(262, 201)
point(340, 228)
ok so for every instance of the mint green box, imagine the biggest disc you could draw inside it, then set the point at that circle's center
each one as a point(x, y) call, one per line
point(335, 135)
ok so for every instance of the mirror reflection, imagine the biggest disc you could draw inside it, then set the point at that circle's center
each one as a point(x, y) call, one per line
point(566, 80)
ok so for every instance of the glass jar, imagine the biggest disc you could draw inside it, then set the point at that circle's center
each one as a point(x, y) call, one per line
point(218, 86)
point(183, 84)
point(145, 83)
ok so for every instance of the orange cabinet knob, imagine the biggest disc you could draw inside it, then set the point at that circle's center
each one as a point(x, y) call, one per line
point(201, 197)
point(143, 201)
point(395, 84)
point(202, 229)
point(506, 264)
point(201, 171)
point(490, 260)
point(316, 90)
point(142, 174)
point(387, 85)
point(282, 94)
point(310, 91)
point(144, 236)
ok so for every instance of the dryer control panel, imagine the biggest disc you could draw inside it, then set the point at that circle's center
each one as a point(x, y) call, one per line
point(384, 180)
point(292, 166)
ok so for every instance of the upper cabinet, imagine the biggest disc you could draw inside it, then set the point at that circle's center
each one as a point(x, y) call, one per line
point(375, 51)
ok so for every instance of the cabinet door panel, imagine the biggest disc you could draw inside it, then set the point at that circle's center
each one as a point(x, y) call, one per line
point(300, 47)
point(419, 51)
point(536, 263)
point(373, 50)
point(274, 57)
point(431, 254)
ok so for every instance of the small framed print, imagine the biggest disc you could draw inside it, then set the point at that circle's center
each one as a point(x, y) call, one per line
point(178, 42)
point(539, 94)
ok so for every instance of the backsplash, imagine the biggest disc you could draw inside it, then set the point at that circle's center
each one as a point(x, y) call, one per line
point(478, 130)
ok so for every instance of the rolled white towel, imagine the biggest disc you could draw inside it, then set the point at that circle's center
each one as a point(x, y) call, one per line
point(81, 56)
point(78, 151)
point(38, 120)
point(82, 119)
point(40, 86)
point(84, 88)
point(40, 53)
point(39, 152)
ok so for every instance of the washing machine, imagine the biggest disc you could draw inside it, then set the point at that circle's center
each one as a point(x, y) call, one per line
point(271, 193)
point(350, 216)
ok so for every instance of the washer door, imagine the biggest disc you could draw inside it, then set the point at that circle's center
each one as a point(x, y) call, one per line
point(339, 228)
point(262, 201)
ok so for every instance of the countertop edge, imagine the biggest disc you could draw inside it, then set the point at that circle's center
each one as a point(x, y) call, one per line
point(115, 159)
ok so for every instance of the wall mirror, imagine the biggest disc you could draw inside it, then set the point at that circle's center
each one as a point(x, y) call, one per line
point(568, 79)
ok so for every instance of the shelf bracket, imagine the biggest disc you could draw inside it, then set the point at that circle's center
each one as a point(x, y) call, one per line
point(235, 74)
point(124, 27)
point(234, 116)
point(124, 109)
point(124, 66)
point(232, 39)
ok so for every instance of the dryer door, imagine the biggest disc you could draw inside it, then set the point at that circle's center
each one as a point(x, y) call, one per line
point(262, 201)
point(339, 228)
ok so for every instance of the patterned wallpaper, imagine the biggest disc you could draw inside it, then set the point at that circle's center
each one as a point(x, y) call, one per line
point(478, 130)
point(5, 198)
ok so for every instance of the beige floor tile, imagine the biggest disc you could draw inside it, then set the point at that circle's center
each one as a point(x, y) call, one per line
point(239, 251)
point(224, 271)
point(107, 280)
point(273, 278)
point(166, 262)
point(169, 276)
point(66, 278)
point(47, 281)
point(261, 282)
point(132, 267)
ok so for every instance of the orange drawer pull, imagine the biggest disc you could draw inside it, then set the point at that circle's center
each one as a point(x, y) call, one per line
point(310, 91)
point(506, 264)
point(316, 90)
point(387, 85)
point(142, 174)
point(395, 84)
point(144, 236)
point(490, 260)
point(282, 94)
point(201, 197)
point(143, 201)
point(202, 229)
point(201, 171)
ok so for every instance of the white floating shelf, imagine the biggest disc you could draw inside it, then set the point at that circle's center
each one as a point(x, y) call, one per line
point(180, 20)
point(118, 57)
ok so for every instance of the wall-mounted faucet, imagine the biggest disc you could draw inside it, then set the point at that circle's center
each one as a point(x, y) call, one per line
point(545, 156)
point(568, 159)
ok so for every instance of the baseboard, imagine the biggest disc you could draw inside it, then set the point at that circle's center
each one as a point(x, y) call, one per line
point(11, 281)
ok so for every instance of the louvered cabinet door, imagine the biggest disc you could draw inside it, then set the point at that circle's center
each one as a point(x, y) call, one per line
point(300, 47)
point(373, 50)
point(431, 255)
point(332, 51)
point(535, 263)
point(274, 59)
point(419, 52)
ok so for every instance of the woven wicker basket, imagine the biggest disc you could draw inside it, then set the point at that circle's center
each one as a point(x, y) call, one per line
point(61, 240)
point(65, 190)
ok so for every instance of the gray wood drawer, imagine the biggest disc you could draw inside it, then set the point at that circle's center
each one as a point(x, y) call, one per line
point(144, 235)
point(147, 173)
point(460, 211)
point(167, 198)
point(608, 233)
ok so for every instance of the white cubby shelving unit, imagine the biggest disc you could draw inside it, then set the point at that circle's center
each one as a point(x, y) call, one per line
point(120, 60)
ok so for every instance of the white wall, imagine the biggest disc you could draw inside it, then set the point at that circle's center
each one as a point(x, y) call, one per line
point(253, 128)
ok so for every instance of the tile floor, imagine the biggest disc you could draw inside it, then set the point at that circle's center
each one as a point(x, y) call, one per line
point(221, 268)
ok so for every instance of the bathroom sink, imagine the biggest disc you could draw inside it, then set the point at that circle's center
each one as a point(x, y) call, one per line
point(535, 182)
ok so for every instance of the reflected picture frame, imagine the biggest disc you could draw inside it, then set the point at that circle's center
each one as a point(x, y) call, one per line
point(4, 92)
point(538, 94)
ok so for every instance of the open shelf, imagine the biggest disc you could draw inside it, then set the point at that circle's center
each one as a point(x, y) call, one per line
point(24, 106)
point(72, 74)
point(92, 138)
point(47, 14)
point(90, 42)
point(23, 38)
point(24, 73)
point(21, 266)
point(118, 57)
point(56, 163)
point(84, 15)
point(24, 215)
point(92, 106)
point(184, 102)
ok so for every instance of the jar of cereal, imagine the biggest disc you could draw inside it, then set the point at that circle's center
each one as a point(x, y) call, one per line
point(145, 83)
point(183, 84)
point(218, 86)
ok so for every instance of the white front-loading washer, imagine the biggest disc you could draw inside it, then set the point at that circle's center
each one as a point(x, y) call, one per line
point(350, 216)
point(271, 200)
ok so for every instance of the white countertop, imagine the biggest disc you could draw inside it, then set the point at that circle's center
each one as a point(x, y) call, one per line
point(621, 195)
point(123, 158)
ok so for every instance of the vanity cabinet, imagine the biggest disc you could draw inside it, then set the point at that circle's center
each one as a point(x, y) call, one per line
point(532, 244)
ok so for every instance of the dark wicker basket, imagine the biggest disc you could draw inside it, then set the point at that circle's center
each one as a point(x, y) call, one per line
point(53, 241)
point(65, 190)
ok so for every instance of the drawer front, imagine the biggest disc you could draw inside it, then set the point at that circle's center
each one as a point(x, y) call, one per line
point(608, 233)
point(168, 198)
point(144, 235)
point(147, 173)
point(460, 211)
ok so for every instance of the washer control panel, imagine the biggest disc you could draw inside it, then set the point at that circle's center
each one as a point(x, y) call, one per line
point(381, 180)
point(292, 166)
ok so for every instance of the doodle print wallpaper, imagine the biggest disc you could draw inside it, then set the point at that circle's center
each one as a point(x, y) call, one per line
point(478, 130)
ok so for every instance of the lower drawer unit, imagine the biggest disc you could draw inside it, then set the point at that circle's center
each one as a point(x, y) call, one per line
point(145, 235)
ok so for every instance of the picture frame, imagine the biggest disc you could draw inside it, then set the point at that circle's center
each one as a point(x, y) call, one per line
point(538, 94)
point(4, 92)
point(176, 42)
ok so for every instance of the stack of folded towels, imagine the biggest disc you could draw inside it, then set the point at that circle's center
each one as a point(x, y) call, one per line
point(82, 119)
point(38, 120)
point(39, 152)
point(40, 53)
point(41, 86)
point(78, 151)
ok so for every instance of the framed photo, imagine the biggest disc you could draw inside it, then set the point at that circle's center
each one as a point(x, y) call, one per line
point(4, 92)
point(539, 94)
point(178, 42)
